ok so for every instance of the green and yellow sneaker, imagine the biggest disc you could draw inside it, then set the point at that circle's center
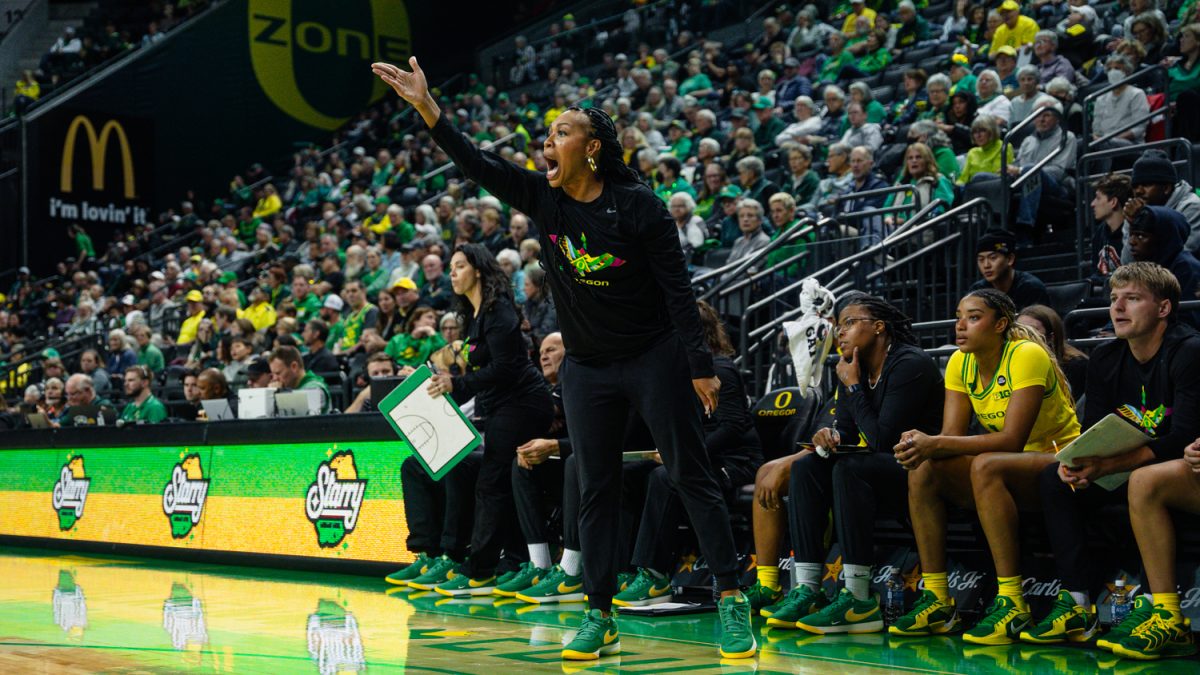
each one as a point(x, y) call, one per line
point(418, 567)
point(526, 577)
point(737, 639)
point(442, 570)
point(1165, 634)
point(846, 614)
point(1001, 626)
point(1067, 621)
point(801, 601)
point(463, 585)
point(1142, 609)
point(762, 596)
point(645, 589)
point(556, 586)
point(597, 636)
point(624, 579)
point(930, 616)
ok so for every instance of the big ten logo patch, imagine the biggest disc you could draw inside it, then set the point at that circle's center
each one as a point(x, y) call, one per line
point(184, 496)
point(335, 498)
point(298, 48)
point(70, 493)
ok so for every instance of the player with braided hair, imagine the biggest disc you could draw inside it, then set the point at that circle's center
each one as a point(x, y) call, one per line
point(1005, 374)
point(886, 384)
point(633, 342)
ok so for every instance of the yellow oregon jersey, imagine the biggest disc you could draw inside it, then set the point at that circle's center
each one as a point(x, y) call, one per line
point(1022, 364)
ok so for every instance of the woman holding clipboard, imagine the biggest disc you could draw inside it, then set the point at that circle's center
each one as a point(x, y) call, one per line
point(514, 398)
point(886, 382)
point(1004, 374)
point(632, 335)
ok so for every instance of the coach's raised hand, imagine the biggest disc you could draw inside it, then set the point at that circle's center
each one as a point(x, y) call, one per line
point(411, 87)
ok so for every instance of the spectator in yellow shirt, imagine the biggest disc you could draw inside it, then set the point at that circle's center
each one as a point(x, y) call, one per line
point(859, 8)
point(1016, 31)
point(379, 222)
point(195, 309)
point(260, 312)
point(270, 204)
point(28, 91)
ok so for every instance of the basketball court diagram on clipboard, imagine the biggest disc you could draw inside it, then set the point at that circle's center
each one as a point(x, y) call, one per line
point(438, 431)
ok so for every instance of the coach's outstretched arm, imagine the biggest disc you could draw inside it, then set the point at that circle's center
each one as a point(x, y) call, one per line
point(411, 87)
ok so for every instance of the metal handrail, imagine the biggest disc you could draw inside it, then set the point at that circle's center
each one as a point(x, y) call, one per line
point(873, 193)
point(1074, 316)
point(849, 261)
point(1007, 184)
point(732, 269)
point(1157, 69)
point(486, 146)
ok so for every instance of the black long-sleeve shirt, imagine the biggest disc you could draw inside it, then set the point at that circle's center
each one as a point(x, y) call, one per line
point(1160, 397)
point(628, 287)
point(729, 433)
point(498, 367)
point(908, 395)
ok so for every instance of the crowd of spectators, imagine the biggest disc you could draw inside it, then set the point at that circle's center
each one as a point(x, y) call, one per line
point(113, 28)
point(342, 255)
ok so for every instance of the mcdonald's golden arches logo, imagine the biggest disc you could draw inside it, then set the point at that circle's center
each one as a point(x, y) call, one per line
point(98, 148)
point(275, 36)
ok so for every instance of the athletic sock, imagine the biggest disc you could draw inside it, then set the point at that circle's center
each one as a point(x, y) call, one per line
point(858, 580)
point(935, 582)
point(808, 574)
point(539, 555)
point(1081, 599)
point(1169, 602)
point(1010, 587)
point(570, 561)
point(768, 576)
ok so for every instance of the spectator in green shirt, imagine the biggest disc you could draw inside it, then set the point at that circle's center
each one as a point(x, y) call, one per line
point(769, 126)
point(419, 339)
point(669, 182)
point(837, 59)
point(148, 355)
point(681, 145)
point(362, 315)
point(697, 83)
point(143, 407)
point(83, 243)
point(308, 304)
point(288, 371)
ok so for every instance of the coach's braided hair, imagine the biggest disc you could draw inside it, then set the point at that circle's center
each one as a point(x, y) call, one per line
point(610, 164)
point(896, 322)
point(1004, 308)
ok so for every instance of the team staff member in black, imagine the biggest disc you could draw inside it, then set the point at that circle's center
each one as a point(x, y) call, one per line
point(632, 334)
point(513, 395)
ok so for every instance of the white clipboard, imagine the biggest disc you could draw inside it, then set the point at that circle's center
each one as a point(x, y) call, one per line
point(439, 433)
point(1109, 437)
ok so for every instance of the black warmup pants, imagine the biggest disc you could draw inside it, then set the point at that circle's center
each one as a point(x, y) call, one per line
point(597, 399)
point(1066, 515)
point(658, 536)
point(495, 514)
point(439, 513)
point(854, 486)
point(537, 492)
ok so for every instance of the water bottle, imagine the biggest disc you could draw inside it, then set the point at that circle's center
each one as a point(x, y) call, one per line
point(1118, 603)
point(893, 599)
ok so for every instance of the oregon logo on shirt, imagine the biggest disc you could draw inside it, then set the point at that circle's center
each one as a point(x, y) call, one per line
point(70, 493)
point(1148, 420)
point(184, 496)
point(335, 498)
point(581, 261)
point(298, 47)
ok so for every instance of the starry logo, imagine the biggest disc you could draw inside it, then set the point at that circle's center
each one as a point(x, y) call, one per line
point(184, 496)
point(334, 641)
point(335, 498)
point(70, 493)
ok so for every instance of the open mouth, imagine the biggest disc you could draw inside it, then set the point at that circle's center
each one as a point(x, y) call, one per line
point(551, 168)
point(960, 339)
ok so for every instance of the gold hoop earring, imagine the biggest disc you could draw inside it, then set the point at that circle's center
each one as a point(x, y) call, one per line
point(591, 163)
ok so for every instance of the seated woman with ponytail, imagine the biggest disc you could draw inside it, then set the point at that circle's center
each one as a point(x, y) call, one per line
point(1003, 373)
point(886, 384)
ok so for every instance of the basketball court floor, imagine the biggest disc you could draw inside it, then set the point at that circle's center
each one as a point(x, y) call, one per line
point(68, 613)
